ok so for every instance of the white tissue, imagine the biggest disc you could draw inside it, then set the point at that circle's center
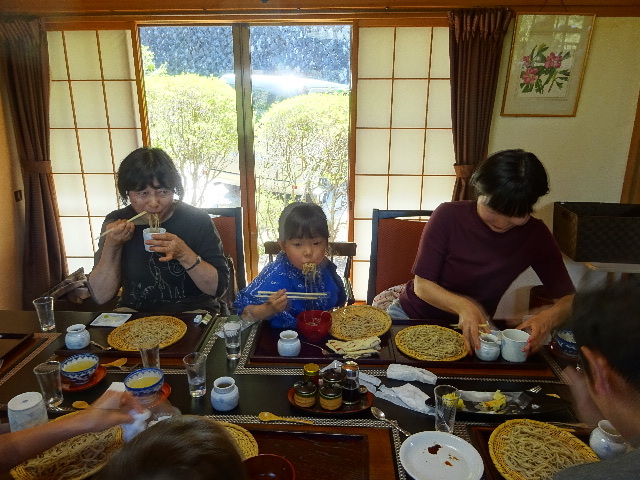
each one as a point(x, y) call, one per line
point(406, 396)
point(117, 387)
point(410, 374)
point(139, 424)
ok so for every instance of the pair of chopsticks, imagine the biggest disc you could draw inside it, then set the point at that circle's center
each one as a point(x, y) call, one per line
point(130, 220)
point(455, 325)
point(294, 295)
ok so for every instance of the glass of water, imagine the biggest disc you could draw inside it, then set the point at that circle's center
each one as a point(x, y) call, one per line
point(196, 366)
point(232, 338)
point(446, 398)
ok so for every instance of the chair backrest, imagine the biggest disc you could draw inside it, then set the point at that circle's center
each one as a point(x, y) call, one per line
point(336, 249)
point(394, 244)
point(228, 222)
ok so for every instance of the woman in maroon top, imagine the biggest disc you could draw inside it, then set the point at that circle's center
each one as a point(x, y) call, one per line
point(471, 251)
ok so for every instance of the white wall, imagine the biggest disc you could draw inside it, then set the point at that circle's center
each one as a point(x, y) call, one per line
point(585, 155)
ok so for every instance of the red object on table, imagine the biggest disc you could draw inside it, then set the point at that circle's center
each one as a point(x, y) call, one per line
point(314, 325)
point(269, 466)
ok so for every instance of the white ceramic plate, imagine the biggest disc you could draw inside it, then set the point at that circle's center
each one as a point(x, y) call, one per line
point(438, 455)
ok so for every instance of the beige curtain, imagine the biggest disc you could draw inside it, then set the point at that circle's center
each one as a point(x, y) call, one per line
point(475, 46)
point(23, 44)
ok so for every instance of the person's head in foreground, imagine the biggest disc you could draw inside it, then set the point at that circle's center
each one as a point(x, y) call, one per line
point(606, 327)
point(183, 447)
point(507, 185)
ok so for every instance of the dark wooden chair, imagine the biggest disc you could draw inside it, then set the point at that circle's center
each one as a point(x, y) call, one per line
point(394, 244)
point(228, 222)
point(336, 249)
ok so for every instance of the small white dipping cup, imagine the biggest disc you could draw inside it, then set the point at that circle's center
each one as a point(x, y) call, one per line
point(513, 341)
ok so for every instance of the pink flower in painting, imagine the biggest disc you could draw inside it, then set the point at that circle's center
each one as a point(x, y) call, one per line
point(530, 76)
point(526, 61)
point(553, 61)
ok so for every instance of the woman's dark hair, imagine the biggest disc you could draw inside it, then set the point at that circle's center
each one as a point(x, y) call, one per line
point(607, 320)
point(513, 181)
point(302, 220)
point(188, 446)
point(148, 167)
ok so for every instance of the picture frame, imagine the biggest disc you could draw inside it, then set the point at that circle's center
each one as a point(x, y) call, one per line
point(546, 65)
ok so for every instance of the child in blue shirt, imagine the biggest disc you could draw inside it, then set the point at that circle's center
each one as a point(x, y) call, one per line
point(303, 238)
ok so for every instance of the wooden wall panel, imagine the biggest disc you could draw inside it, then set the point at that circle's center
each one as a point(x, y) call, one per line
point(308, 7)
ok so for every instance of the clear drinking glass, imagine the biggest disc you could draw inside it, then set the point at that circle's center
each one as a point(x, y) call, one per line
point(233, 339)
point(150, 355)
point(446, 398)
point(44, 308)
point(48, 375)
point(195, 365)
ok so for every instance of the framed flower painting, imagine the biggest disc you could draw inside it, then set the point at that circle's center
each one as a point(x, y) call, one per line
point(548, 57)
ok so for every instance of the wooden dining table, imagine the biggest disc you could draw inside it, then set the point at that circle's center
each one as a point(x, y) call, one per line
point(351, 445)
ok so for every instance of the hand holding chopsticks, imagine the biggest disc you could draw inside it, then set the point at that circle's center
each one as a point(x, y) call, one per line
point(130, 220)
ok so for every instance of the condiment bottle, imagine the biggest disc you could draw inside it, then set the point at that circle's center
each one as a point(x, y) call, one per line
point(304, 393)
point(312, 372)
point(331, 377)
point(350, 383)
point(305, 390)
point(330, 397)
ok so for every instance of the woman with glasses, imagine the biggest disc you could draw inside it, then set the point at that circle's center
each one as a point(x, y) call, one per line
point(184, 269)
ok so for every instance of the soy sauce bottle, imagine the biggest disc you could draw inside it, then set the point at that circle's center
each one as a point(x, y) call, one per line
point(350, 383)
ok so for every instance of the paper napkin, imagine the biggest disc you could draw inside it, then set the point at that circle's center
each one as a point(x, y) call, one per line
point(410, 374)
point(407, 396)
point(355, 348)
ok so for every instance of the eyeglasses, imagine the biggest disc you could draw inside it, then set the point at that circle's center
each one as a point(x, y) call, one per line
point(147, 193)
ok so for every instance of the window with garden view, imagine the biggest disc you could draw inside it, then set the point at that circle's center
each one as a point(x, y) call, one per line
point(299, 78)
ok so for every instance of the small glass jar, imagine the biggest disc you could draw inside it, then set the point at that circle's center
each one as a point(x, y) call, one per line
point(312, 373)
point(331, 377)
point(330, 397)
point(304, 393)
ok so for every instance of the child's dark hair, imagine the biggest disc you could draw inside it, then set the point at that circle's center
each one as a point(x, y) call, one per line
point(302, 220)
point(148, 167)
point(186, 446)
point(513, 180)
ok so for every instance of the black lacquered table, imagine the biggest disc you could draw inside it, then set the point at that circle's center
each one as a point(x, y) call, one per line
point(264, 385)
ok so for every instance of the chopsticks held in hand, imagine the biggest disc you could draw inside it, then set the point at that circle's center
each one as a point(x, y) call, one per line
point(455, 325)
point(130, 220)
point(295, 295)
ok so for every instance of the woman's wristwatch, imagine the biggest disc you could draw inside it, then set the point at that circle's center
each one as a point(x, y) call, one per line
point(197, 262)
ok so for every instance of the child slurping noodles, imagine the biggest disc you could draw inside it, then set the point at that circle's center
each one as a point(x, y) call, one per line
point(301, 277)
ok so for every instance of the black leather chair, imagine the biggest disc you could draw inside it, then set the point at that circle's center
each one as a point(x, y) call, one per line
point(228, 222)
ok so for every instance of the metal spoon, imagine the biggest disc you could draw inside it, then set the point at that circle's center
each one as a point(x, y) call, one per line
point(379, 414)
point(324, 351)
point(101, 347)
point(270, 417)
